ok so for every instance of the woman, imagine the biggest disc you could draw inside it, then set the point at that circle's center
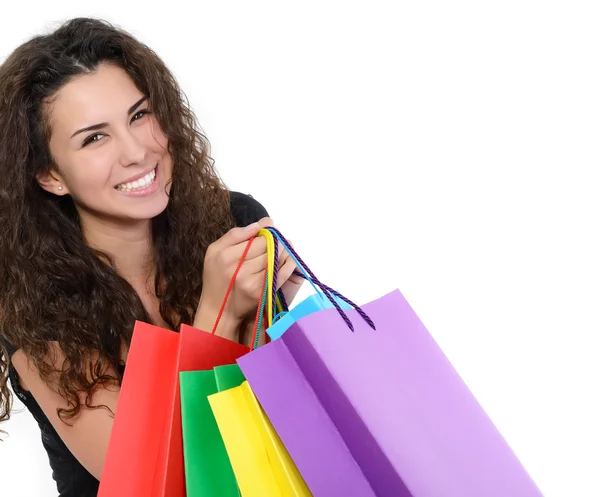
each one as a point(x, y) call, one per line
point(112, 213)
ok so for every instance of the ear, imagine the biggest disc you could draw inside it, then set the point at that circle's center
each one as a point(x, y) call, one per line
point(52, 182)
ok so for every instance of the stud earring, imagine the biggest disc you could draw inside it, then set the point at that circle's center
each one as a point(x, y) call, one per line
point(60, 188)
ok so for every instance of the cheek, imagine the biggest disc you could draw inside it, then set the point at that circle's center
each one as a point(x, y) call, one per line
point(91, 173)
point(157, 140)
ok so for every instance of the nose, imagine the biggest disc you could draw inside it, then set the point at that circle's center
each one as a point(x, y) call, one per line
point(131, 149)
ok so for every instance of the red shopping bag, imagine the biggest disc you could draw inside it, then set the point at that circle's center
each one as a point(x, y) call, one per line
point(145, 453)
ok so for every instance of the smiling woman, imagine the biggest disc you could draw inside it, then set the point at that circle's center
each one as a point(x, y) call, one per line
point(106, 165)
point(112, 212)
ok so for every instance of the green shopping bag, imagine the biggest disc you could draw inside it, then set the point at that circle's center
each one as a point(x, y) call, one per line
point(229, 376)
point(207, 467)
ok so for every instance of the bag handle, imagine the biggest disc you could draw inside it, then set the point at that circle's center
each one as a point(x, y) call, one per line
point(231, 283)
point(278, 297)
point(266, 280)
point(307, 274)
point(260, 310)
point(271, 282)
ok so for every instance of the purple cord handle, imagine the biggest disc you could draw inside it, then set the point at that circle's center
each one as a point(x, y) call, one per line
point(279, 237)
point(327, 291)
point(275, 274)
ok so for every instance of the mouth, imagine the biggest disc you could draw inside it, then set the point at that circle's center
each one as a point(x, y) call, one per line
point(140, 185)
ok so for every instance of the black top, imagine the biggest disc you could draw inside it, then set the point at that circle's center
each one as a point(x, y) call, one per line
point(72, 479)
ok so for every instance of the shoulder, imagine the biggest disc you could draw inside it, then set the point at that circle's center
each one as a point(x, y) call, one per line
point(10, 348)
point(246, 209)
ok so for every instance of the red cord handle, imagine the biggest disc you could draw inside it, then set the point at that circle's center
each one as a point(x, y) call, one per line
point(231, 283)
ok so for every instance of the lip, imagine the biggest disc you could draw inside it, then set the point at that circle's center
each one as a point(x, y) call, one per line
point(138, 176)
point(143, 192)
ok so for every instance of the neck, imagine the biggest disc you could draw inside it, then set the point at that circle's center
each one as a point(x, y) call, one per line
point(130, 246)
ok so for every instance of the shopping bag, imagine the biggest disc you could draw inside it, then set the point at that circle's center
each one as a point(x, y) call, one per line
point(313, 303)
point(227, 377)
point(261, 463)
point(207, 467)
point(145, 453)
point(208, 470)
point(383, 408)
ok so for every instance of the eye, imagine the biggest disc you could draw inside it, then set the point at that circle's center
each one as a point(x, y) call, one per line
point(138, 115)
point(92, 138)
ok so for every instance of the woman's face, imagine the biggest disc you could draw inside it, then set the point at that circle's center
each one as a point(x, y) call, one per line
point(109, 152)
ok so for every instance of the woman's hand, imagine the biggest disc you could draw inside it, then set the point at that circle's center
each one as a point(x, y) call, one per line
point(289, 283)
point(221, 260)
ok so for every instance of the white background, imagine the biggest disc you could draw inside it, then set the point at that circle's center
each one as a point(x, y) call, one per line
point(448, 149)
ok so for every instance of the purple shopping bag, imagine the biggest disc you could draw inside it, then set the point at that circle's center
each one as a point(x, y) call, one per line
point(380, 412)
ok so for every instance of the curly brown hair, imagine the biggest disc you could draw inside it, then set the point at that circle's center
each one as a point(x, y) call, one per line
point(52, 285)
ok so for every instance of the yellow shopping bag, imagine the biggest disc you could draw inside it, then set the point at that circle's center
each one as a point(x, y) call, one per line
point(261, 463)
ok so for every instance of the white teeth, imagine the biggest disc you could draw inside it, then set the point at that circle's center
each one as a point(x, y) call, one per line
point(138, 184)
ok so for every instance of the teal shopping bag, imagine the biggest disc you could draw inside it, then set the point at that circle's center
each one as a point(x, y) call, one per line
point(314, 303)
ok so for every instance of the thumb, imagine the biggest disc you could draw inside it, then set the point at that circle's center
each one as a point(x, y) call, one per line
point(265, 222)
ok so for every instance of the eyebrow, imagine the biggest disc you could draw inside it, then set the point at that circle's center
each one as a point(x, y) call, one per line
point(96, 127)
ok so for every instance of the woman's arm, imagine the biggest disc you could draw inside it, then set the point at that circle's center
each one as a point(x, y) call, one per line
point(86, 435)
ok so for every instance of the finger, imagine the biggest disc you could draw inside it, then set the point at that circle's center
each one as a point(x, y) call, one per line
point(283, 256)
point(285, 272)
point(266, 222)
point(255, 265)
point(236, 236)
point(250, 279)
point(257, 249)
point(259, 245)
point(284, 250)
point(231, 254)
point(297, 279)
point(240, 235)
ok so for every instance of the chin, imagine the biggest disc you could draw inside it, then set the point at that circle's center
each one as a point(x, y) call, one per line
point(149, 211)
